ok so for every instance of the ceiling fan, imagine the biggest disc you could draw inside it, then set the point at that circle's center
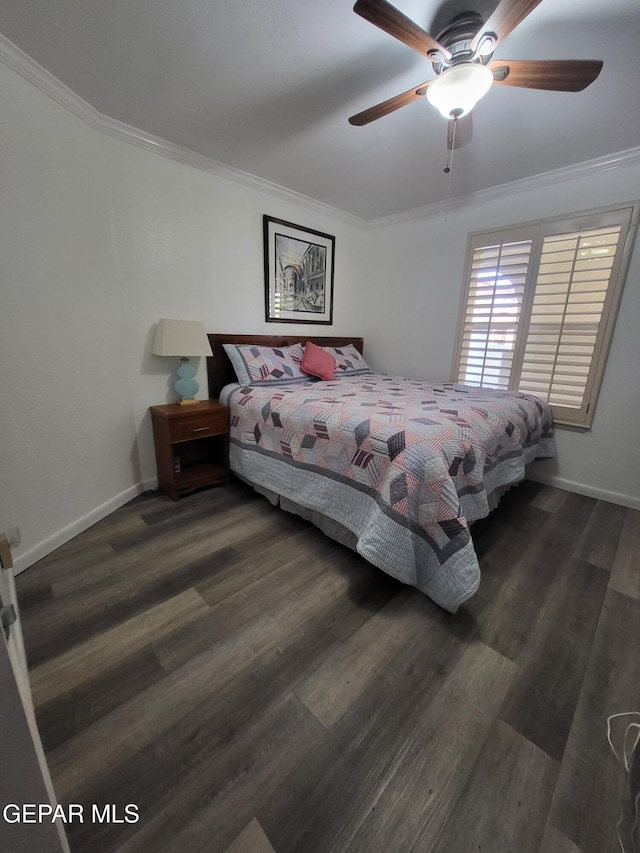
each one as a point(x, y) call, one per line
point(461, 57)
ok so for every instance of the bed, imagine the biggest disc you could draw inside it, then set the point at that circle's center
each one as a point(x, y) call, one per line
point(394, 467)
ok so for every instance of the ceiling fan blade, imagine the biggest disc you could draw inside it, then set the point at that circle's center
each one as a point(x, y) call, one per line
point(389, 106)
point(392, 21)
point(459, 131)
point(557, 75)
point(506, 17)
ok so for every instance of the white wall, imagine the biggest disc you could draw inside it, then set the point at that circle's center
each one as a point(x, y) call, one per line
point(423, 259)
point(66, 426)
point(98, 240)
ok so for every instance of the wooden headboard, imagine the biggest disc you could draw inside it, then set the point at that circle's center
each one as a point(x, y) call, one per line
point(220, 369)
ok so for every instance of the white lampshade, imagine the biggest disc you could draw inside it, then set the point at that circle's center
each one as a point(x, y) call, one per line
point(457, 90)
point(182, 338)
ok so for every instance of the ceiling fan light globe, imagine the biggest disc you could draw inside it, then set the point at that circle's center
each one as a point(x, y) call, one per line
point(456, 91)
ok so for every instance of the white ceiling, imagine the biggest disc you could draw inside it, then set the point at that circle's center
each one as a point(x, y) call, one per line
point(267, 86)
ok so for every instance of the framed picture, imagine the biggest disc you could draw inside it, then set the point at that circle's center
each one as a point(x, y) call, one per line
point(298, 273)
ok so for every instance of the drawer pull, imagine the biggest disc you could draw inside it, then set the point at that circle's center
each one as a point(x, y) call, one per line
point(201, 429)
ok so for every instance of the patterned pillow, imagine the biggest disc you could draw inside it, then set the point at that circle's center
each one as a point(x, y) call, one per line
point(257, 365)
point(349, 362)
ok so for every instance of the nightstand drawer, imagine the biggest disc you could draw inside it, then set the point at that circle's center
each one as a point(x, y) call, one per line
point(199, 426)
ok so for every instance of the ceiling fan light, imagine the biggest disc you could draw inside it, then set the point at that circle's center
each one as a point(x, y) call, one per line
point(457, 90)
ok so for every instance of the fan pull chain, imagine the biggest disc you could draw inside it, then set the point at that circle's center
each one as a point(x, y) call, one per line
point(448, 167)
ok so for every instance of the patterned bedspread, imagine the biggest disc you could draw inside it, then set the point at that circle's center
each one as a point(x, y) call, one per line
point(403, 464)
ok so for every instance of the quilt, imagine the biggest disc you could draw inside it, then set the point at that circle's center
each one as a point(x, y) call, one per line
point(403, 464)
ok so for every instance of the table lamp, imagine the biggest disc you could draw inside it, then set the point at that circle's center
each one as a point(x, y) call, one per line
point(182, 339)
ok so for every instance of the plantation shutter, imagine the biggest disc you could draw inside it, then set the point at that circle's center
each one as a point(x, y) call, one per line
point(539, 307)
point(496, 286)
point(568, 304)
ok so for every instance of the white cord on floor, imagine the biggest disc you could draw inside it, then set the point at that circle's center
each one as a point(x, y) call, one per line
point(628, 748)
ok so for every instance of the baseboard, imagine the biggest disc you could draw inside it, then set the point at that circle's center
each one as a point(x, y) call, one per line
point(46, 546)
point(589, 491)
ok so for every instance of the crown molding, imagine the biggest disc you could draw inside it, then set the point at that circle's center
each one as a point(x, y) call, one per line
point(20, 62)
point(579, 170)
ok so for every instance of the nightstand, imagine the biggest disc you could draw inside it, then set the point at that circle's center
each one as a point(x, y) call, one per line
point(192, 446)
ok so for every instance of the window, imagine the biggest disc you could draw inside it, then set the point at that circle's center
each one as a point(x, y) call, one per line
point(539, 306)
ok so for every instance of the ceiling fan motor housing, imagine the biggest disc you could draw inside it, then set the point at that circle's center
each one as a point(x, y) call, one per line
point(457, 38)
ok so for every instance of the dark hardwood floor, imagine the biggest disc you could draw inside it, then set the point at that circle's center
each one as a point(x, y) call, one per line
point(252, 686)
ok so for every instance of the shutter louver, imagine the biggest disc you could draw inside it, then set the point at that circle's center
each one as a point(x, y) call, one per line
point(493, 311)
point(569, 298)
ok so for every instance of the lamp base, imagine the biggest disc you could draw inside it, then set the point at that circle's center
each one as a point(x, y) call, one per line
point(186, 386)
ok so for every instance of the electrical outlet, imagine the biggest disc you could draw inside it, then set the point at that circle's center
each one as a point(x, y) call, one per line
point(14, 537)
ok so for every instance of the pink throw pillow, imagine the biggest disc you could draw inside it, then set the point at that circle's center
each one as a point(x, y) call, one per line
point(318, 362)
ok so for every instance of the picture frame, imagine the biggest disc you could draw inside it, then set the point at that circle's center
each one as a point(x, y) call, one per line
point(298, 273)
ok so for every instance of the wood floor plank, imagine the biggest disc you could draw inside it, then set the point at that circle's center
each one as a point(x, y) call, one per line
point(145, 717)
point(509, 618)
point(599, 540)
point(331, 690)
point(625, 571)
point(77, 709)
point(280, 532)
point(188, 512)
point(229, 615)
point(74, 564)
point(256, 565)
point(371, 590)
point(515, 509)
point(251, 840)
point(499, 547)
point(208, 811)
point(85, 575)
point(77, 666)
point(438, 755)
point(74, 618)
point(550, 499)
point(587, 800)
point(151, 776)
point(105, 532)
point(35, 595)
point(319, 806)
point(132, 569)
point(162, 508)
point(542, 702)
point(127, 603)
point(553, 841)
point(137, 505)
point(509, 815)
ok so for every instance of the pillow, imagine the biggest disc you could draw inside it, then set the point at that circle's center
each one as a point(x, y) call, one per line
point(318, 362)
point(349, 362)
point(259, 365)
